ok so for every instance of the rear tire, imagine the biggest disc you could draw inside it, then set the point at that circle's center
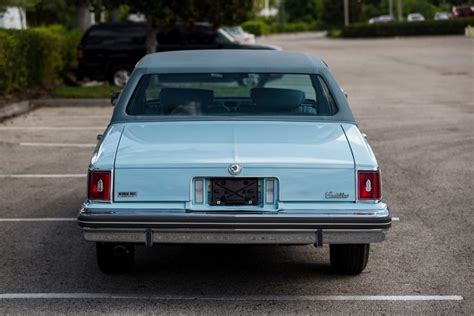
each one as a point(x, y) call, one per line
point(349, 259)
point(113, 258)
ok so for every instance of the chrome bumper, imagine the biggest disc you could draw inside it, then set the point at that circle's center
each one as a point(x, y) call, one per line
point(200, 228)
point(236, 236)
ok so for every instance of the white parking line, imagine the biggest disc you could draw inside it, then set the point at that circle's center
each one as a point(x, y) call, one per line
point(51, 128)
point(57, 144)
point(65, 175)
point(395, 219)
point(38, 219)
point(7, 296)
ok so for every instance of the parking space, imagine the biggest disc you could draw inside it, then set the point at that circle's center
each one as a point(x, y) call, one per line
point(414, 98)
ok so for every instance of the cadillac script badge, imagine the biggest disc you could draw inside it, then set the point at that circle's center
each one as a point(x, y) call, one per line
point(336, 195)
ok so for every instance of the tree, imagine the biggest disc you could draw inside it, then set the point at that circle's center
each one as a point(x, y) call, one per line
point(333, 13)
point(221, 12)
point(112, 8)
point(370, 10)
point(25, 4)
point(47, 12)
point(159, 13)
point(83, 15)
point(165, 13)
point(411, 6)
point(306, 11)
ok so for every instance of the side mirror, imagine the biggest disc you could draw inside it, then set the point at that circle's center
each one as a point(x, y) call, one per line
point(114, 97)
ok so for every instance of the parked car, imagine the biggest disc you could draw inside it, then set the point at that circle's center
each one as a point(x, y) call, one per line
point(415, 17)
point(382, 19)
point(239, 34)
point(191, 155)
point(462, 12)
point(110, 51)
point(441, 16)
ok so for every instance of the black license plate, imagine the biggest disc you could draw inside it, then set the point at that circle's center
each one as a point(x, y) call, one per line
point(234, 191)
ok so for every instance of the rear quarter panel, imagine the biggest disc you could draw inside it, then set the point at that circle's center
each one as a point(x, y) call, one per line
point(364, 157)
point(103, 157)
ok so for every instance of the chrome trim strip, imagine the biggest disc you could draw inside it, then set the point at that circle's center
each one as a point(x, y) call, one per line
point(235, 236)
point(230, 223)
point(353, 236)
point(176, 212)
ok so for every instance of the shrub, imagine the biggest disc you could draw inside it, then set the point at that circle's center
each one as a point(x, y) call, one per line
point(298, 27)
point(8, 73)
point(43, 50)
point(263, 27)
point(69, 41)
point(36, 57)
point(257, 27)
point(454, 26)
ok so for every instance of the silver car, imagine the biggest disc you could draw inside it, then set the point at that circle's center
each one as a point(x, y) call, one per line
point(415, 17)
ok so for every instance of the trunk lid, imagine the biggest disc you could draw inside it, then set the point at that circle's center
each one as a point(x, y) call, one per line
point(158, 161)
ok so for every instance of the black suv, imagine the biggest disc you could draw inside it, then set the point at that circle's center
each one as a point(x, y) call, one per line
point(109, 51)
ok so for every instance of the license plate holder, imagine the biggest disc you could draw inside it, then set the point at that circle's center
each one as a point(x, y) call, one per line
point(234, 191)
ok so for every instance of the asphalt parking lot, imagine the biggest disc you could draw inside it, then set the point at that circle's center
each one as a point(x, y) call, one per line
point(414, 98)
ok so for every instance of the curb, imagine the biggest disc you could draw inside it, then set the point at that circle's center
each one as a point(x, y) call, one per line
point(15, 109)
point(23, 107)
point(64, 102)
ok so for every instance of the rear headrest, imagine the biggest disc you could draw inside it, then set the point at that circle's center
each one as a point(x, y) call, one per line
point(281, 99)
point(173, 97)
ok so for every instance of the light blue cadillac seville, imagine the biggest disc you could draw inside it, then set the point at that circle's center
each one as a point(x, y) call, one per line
point(233, 147)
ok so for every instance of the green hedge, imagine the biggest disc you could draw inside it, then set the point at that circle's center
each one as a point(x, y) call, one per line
point(37, 57)
point(262, 27)
point(257, 27)
point(454, 26)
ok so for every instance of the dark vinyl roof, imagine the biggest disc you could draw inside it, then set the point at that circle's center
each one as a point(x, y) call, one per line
point(238, 60)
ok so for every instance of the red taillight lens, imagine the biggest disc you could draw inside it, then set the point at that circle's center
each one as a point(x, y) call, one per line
point(370, 185)
point(99, 186)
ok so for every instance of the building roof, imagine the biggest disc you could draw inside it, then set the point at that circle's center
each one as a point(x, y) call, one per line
point(231, 60)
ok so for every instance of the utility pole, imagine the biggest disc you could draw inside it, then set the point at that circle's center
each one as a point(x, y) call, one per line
point(400, 11)
point(390, 7)
point(346, 12)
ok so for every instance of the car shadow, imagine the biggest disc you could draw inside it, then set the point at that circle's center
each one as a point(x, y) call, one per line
point(222, 269)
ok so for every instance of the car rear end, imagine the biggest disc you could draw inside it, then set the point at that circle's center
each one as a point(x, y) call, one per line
point(310, 193)
point(195, 165)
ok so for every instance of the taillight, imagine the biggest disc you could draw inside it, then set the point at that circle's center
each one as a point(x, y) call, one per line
point(99, 186)
point(370, 185)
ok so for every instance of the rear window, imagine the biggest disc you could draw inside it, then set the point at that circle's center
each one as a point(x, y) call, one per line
point(228, 94)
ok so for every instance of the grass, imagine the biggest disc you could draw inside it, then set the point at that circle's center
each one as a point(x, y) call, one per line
point(94, 92)
point(334, 33)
